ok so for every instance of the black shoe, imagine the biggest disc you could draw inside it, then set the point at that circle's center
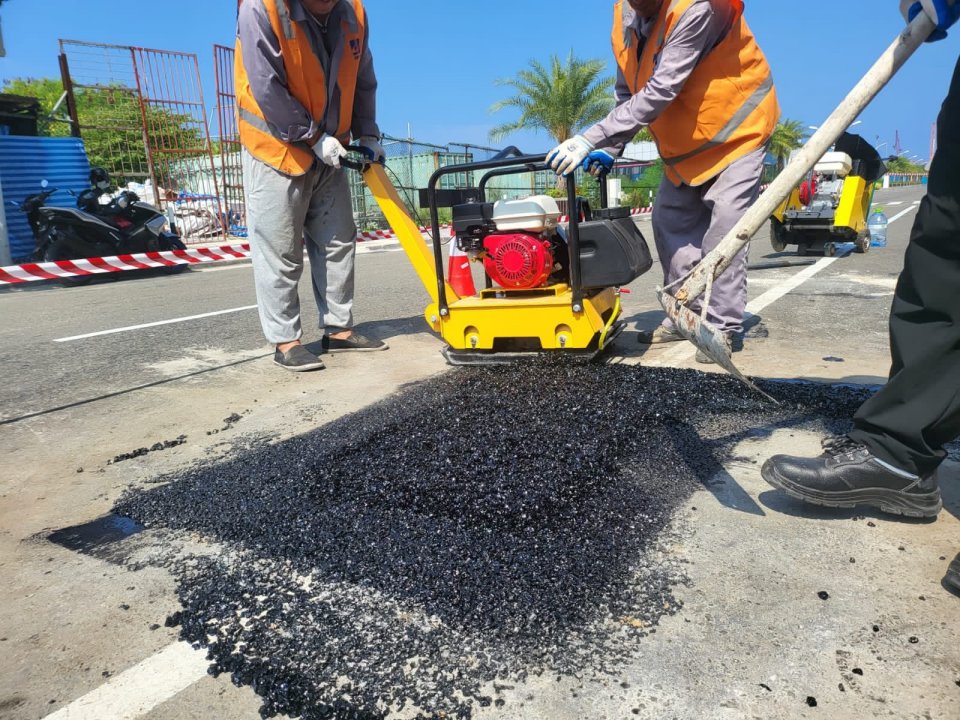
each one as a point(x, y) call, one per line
point(297, 359)
point(660, 334)
point(355, 343)
point(705, 359)
point(846, 475)
point(952, 578)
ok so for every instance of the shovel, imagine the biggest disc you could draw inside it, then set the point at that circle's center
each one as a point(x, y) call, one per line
point(695, 328)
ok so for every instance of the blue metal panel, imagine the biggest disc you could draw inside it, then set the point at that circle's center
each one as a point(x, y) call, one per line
point(24, 163)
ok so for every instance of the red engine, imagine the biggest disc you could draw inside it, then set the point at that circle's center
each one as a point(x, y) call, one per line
point(517, 260)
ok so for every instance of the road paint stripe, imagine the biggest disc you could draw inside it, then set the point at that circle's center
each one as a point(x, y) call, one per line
point(901, 214)
point(172, 321)
point(137, 690)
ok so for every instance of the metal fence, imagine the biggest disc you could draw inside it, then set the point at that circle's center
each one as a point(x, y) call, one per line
point(141, 114)
point(230, 171)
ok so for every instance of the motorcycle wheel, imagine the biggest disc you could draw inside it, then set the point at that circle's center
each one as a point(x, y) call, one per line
point(175, 243)
point(52, 253)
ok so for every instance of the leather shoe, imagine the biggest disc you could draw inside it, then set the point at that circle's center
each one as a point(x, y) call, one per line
point(847, 474)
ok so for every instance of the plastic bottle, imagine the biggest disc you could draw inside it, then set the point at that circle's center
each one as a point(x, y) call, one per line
point(877, 224)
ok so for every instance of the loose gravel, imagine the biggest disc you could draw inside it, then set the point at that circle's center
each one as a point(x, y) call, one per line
point(422, 557)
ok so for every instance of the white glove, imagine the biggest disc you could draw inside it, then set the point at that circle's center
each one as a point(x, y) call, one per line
point(569, 155)
point(329, 150)
point(372, 148)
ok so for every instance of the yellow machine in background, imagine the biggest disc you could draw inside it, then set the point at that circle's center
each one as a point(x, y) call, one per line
point(547, 289)
point(833, 203)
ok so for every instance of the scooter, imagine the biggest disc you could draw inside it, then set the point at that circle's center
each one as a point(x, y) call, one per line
point(124, 226)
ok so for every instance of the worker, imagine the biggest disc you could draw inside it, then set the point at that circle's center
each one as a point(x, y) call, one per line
point(889, 460)
point(305, 85)
point(693, 73)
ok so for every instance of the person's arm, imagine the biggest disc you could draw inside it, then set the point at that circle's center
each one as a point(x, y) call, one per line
point(365, 100)
point(286, 116)
point(695, 33)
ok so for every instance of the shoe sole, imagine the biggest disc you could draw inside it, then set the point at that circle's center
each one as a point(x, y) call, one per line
point(358, 349)
point(927, 505)
point(301, 368)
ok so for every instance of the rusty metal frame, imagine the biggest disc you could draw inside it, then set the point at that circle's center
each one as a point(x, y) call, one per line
point(231, 170)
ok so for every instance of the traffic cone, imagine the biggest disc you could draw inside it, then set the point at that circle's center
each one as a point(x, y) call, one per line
point(459, 274)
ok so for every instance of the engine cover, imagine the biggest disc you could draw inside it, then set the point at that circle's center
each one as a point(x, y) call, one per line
point(517, 260)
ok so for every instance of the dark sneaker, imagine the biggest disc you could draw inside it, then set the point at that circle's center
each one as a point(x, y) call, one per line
point(705, 359)
point(952, 578)
point(847, 474)
point(354, 343)
point(297, 359)
point(660, 334)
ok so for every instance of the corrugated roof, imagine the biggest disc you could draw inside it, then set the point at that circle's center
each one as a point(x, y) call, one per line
point(24, 163)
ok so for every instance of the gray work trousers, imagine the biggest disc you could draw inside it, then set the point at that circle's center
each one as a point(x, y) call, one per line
point(283, 212)
point(689, 222)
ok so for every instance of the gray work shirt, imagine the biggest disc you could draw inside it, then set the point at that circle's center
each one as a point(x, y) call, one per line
point(289, 119)
point(699, 30)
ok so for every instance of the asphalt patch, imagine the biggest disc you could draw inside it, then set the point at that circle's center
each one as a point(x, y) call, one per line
point(472, 531)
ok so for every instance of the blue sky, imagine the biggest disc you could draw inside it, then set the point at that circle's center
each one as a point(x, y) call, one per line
point(437, 59)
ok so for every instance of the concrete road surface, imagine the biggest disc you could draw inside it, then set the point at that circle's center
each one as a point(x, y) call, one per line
point(97, 371)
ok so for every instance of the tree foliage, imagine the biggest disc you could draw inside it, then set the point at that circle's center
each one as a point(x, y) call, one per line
point(902, 165)
point(561, 98)
point(787, 137)
point(112, 120)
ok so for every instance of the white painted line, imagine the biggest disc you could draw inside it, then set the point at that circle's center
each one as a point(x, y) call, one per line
point(891, 204)
point(902, 213)
point(154, 324)
point(136, 691)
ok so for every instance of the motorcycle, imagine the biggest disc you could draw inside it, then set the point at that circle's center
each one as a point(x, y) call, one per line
point(124, 226)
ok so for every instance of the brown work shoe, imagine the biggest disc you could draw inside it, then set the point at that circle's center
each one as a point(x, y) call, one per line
point(660, 334)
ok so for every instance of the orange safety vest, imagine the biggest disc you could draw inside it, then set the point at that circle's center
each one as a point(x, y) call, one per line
point(306, 82)
point(727, 108)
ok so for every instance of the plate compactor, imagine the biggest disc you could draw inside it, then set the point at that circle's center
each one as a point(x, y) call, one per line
point(549, 289)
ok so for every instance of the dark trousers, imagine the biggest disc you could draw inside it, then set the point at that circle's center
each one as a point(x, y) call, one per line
point(908, 422)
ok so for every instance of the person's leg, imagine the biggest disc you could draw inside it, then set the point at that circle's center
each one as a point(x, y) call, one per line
point(680, 220)
point(331, 236)
point(908, 422)
point(727, 198)
point(276, 207)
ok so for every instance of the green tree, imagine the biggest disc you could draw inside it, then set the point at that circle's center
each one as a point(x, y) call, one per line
point(112, 126)
point(644, 136)
point(787, 137)
point(561, 99)
point(904, 166)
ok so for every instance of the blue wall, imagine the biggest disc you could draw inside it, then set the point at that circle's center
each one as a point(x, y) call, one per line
point(24, 162)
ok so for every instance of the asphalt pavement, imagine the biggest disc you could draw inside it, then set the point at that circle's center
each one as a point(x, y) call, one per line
point(123, 384)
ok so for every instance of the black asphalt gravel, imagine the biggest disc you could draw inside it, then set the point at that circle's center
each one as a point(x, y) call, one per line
point(474, 530)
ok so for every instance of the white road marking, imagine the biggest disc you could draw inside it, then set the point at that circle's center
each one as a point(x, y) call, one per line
point(172, 321)
point(891, 204)
point(684, 351)
point(137, 690)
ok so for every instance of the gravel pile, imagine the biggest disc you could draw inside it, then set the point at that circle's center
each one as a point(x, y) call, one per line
point(420, 558)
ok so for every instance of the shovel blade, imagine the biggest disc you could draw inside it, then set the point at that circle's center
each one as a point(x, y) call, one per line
point(708, 339)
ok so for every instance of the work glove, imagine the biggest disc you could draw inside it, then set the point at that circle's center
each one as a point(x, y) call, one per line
point(599, 161)
point(372, 149)
point(943, 12)
point(329, 150)
point(569, 155)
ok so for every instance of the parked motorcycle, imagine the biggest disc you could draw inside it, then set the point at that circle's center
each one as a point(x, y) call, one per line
point(124, 226)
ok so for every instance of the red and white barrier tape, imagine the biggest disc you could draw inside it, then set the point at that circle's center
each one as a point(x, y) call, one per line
point(120, 263)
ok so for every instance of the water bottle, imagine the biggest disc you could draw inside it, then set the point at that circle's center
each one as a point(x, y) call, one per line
point(877, 224)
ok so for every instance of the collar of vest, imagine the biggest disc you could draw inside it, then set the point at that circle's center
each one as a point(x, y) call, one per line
point(342, 11)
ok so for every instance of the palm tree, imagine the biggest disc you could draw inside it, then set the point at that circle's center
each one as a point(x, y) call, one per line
point(787, 137)
point(561, 99)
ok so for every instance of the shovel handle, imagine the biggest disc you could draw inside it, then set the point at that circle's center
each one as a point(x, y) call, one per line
point(862, 94)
